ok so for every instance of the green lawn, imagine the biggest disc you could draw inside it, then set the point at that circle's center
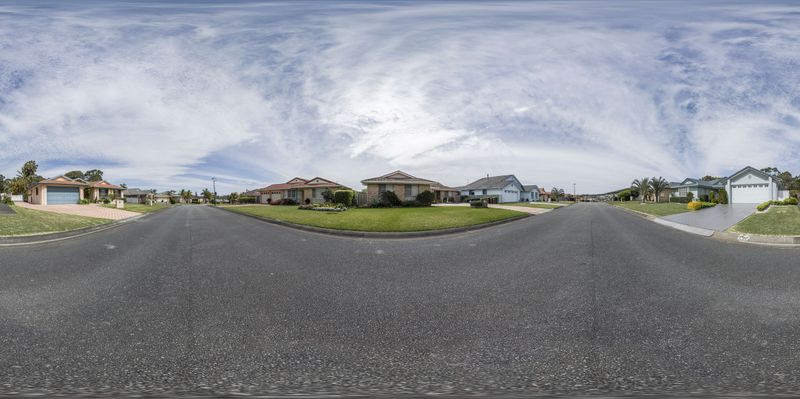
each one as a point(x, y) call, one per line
point(380, 219)
point(29, 222)
point(543, 205)
point(661, 209)
point(777, 220)
point(140, 207)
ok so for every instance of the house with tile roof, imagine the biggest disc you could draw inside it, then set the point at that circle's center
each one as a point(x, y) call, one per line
point(298, 189)
point(63, 190)
point(404, 185)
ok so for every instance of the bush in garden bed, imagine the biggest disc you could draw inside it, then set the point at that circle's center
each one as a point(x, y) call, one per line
point(697, 205)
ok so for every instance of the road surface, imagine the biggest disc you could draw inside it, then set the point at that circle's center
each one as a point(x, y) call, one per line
point(585, 299)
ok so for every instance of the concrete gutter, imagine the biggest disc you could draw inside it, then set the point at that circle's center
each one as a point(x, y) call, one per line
point(375, 234)
point(17, 241)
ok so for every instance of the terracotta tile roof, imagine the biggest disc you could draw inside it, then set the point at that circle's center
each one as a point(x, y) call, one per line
point(105, 184)
point(396, 177)
point(62, 180)
point(298, 182)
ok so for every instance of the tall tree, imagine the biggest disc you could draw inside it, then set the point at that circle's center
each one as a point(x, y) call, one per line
point(25, 177)
point(771, 170)
point(74, 174)
point(233, 198)
point(642, 186)
point(93, 175)
point(186, 195)
point(207, 194)
point(556, 193)
point(4, 184)
point(710, 178)
point(658, 184)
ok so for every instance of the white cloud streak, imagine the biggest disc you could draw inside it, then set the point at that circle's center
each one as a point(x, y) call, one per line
point(596, 94)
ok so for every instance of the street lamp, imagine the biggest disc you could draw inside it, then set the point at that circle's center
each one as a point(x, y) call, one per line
point(214, 184)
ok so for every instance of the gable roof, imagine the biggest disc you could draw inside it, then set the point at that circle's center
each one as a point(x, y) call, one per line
point(138, 191)
point(105, 184)
point(441, 187)
point(299, 182)
point(396, 177)
point(492, 182)
point(531, 187)
point(752, 170)
point(63, 181)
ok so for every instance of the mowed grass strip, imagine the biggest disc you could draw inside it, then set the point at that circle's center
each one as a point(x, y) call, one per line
point(382, 219)
point(140, 208)
point(542, 205)
point(31, 222)
point(777, 220)
point(659, 209)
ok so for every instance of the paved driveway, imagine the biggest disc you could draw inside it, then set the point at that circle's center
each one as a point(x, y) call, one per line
point(719, 218)
point(590, 299)
point(90, 210)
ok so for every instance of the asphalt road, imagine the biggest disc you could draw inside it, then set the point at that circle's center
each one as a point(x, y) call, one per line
point(586, 299)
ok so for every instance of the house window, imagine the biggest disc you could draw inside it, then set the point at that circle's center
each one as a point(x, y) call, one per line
point(381, 188)
point(471, 193)
point(407, 188)
point(483, 191)
point(37, 190)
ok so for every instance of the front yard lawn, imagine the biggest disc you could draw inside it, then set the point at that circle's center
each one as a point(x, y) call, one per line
point(660, 209)
point(777, 220)
point(140, 208)
point(382, 219)
point(542, 205)
point(29, 222)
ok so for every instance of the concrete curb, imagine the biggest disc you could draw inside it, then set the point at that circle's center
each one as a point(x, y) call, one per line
point(19, 241)
point(683, 227)
point(757, 239)
point(384, 235)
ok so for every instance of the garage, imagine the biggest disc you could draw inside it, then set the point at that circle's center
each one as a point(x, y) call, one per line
point(751, 186)
point(750, 193)
point(62, 195)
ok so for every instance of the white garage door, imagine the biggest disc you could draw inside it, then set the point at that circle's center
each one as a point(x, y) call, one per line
point(749, 193)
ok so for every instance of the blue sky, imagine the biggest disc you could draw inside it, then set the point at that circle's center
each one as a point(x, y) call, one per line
point(168, 94)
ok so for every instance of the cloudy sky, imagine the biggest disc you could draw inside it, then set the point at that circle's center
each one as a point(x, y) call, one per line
point(168, 94)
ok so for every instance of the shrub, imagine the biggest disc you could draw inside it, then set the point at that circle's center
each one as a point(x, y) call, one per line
point(346, 197)
point(287, 201)
point(84, 202)
point(624, 195)
point(476, 203)
point(307, 201)
point(328, 195)
point(712, 197)
point(697, 205)
point(106, 201)
point(679, 200)
point(425, 198)
point(764, 205)
point(723, 197)
point(306, 207)
point(790, 201)
point(389, 199)
point(410, 203)
point(704, 198)
point(689, 196)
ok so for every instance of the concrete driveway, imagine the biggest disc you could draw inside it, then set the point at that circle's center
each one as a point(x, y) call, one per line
point(90, 210)
point(718, 218)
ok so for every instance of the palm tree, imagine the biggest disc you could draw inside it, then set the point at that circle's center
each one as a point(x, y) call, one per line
point(233, 198)
point(642, 186)
point(556, 193)
point(658, 184)
point(186, 195)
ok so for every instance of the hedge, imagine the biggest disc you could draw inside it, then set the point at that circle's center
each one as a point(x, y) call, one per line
point(345, 197)
point(697, 205)
point(764, 205)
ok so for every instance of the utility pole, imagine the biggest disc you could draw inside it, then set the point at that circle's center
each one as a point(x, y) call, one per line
point(574, 193)
point(214, 184)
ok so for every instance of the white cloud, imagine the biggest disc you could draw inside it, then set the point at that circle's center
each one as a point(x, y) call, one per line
point(554, 92)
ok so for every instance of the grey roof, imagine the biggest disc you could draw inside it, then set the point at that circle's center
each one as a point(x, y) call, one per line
point(137, 191)
point(490, 182)
point(530, 187)
point(691, 182)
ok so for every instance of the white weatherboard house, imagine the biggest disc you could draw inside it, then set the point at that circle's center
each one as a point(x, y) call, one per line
point(752, 186)
point(499, 189)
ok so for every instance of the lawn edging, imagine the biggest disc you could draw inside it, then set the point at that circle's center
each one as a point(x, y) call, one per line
point(376, 234)
point(42, 238)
